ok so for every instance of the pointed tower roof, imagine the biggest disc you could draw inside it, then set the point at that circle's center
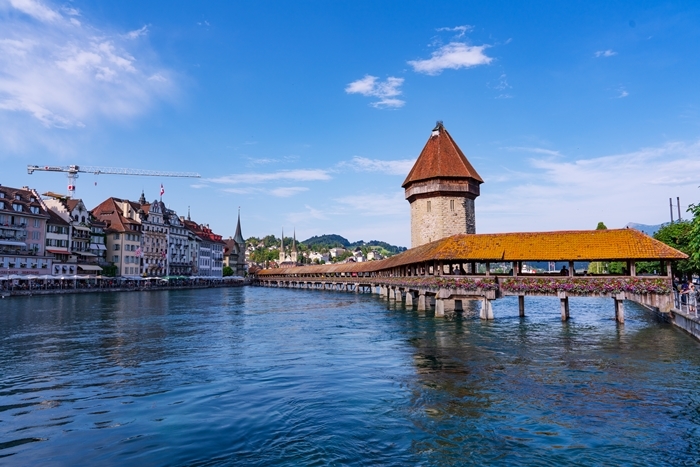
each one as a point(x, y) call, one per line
point(238, 237)
point(142, 199)
point(441, 158)
point(294, 240)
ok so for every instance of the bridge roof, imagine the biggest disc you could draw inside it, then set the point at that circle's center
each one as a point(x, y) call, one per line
point(576, 245)
point(441, 158)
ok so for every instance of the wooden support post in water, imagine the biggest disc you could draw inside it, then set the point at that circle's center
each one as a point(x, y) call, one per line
point(564, 306)
point(620, 308)
point(486, 309)
point(521, 305)
point(409, 299)
point(439, 308)
point(421, 301)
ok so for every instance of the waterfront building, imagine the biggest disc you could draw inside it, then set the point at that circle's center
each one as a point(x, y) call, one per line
point(22, 232)
point(235, 251)
point(179, 257)
point(98, 241)
point(74, 212)
point(154, 233)
point(123, 234)
point(441, 189)
point(210, 249)
point(58, 244)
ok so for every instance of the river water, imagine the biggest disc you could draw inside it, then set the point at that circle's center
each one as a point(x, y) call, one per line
point(259, 376)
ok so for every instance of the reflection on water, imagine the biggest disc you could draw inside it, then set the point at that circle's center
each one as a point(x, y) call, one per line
point(281, 377)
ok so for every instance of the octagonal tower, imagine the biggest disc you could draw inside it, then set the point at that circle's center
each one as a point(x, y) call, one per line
point(441, 188)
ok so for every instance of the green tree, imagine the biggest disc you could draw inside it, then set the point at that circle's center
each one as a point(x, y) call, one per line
point(227, 271)
point(601, 226)
point(694, 243)
point(681, 236)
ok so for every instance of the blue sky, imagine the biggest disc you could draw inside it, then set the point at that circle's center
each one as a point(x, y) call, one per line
point(308, 115)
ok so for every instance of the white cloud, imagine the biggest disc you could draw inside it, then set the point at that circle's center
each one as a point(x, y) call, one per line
point(462, 30)
point(564, 194)
point(548, 152)
point(298, 175)
point(305, 215)
point(390, 167)
point(287, 191)
point(136, 33)
point(453, 56)
point(386, 91)
point(605, 53)
point(64, 73)
point(623, 93)
point(36, 10)
point(374, 204)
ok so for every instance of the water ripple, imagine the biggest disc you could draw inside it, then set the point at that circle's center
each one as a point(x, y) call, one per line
point(277, 377)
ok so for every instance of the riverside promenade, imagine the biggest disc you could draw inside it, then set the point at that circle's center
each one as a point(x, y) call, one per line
point(445, 273)
point(29, 287)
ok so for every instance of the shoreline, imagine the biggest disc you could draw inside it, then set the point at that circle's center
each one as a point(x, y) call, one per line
point(29, 293)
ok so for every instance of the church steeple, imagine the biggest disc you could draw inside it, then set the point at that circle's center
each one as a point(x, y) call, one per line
point(294, 256)
point(282, 255)
point(142, 199)
point(238, 237)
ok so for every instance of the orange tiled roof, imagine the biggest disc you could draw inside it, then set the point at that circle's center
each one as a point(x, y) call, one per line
point(441, 158)
point(577, 245)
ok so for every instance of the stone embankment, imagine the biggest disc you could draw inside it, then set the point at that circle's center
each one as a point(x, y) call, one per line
point(28, 293)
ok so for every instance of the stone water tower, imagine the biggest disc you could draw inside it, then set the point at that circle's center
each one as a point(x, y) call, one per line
point(441, 188)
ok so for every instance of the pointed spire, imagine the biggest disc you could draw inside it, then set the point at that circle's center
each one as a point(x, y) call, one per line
point(294, 240)
point(238, 237)
point(188, 214)
point(441, 158)
point(142, 199)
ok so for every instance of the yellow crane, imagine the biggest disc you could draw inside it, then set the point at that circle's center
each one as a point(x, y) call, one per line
point(74, 170)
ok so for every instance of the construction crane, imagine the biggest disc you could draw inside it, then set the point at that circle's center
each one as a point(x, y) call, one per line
point(74, 170)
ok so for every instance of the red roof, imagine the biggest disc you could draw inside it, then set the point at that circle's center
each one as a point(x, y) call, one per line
point(441, 158)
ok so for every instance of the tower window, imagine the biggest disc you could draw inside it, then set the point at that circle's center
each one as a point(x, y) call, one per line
point(452, 205)
point(428, 206)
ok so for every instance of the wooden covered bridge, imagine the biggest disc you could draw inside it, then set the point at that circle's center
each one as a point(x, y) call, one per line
point(485, 267)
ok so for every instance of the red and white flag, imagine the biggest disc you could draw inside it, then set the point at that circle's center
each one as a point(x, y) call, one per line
point(162, 190)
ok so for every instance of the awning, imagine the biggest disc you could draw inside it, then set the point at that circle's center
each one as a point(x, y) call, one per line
point(97, 246)
point(57, 251)
point(89, 267)
point(84, 253)
point(11, 243)
point(80, 227)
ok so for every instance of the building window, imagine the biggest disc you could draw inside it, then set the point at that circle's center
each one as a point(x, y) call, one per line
point(17, 207)
point(116, 236)
point(428, 206)
point(452, 205)
point(115, 258)
point(34, 210)
point(116, 247)
point(36, 223)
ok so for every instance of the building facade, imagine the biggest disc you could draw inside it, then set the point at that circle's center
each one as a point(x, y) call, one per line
point(155, 237)
point(441, 189)
point(122, 235)
point(23, 233)
point(235, 251)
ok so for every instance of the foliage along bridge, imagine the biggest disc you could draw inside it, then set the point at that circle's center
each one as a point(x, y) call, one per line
point(446, 272)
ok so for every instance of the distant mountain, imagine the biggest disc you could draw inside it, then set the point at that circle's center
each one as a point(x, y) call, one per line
point(647, 229)
point(333, 240)
point(328, 240)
